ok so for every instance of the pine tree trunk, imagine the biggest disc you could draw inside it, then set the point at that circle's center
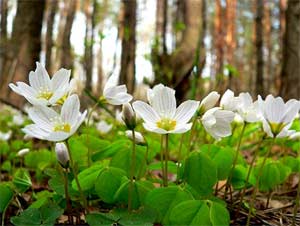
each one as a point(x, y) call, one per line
point(259, 48)
point(66, 60)
point(127, 72)
point(52, 8)
point(3, 33)
point(290, 75)
point(23, 48)
point(219, 45)
point(230, 39)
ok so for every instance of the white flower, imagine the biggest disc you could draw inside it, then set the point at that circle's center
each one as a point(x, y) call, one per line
point(115, 95)
point(18, 119)
point(162, 116)
point(209, 101)
point(42, 89)
point(246, 108)
point(5, 136)
point(119, 115)
point(139, 138)
point(51, 126)
point(128, 116)
point(62, 154)
point(277, 116)
point(23, 152)
point(103, 127)
point(295, 136)
point(217, 122)
point(229, 101)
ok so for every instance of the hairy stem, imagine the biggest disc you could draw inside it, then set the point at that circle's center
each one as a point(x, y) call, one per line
point(132, 169)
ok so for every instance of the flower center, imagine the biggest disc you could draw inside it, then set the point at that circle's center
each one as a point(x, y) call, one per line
point(45, 94)
point(276, 127)
point(62, 99)
point(166, 124)
point(62, 127)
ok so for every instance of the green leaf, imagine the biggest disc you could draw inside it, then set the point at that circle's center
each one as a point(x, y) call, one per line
point(191, 212)
point(200, 172)
point(219, 215)
point(78, 151)
point(239, 177)
point(291, 162)
point(172, 167)
point(44, 216)
point(22, 180)
point(95, 144)
point(88, 177)
point(123, 160)
point(270, 176)
point(5, 197)
point(111, 149)
point(40, 159)
point(108, 182)
point(140, 190)
point(162, 200)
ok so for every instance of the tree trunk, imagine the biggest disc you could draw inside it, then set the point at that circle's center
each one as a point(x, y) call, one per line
point(259, 86)
point(3, 33)
point(269, 78)
point(52, 7)
point(290, 75)
point(230, 40)
point(127, 72)
point(66, 60)
point(24, 47)
point(89, 43)
point(161, 23)
point(219, 45)
point(174, 69)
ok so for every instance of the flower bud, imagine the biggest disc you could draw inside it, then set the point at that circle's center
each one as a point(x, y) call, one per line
point(139, 139)
point(209, 101)
point(128, 116)
point(23, 152)
point(62, 154)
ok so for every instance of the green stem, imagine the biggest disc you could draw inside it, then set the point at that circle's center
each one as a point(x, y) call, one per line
point(235, 160)
point(68, 207)
point(257, 183)
point(192, 135)
point(297, 205)
point(132, 169)
point(83, 199)
point(248, 174)
point(179, 158)
point(166, 159)
point(162, 158)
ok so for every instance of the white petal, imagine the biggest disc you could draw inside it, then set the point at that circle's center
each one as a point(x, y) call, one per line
point(60, 79)
point(186, 111)
point(39, 78)
point(111, 82)
point(146, 112)
point(79, 121)
point(153, 128)
point(210, 100)
point(119, 99)
point(35, 131)
point(182, 128)
point(57, 136)
point(113, 91)
point(164, 101)
point(70, 109)
point(42, 116)
point(274, 109)
point(292, 108)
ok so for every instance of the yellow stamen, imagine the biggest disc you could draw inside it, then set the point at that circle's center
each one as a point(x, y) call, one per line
point(276, 127)
point(45, 95)
point(66, 127)
point(62, 100)
point(166, 124)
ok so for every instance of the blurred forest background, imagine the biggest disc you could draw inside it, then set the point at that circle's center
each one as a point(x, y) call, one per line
point(193, 46)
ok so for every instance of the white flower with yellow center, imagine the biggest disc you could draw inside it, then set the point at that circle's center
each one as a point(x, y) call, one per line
point(42, 89)
point(51, 126)
point(217, 122)
point(114, 94)
point(161, 116)
point(246, 108)
point(277, 116)
point(229, 101)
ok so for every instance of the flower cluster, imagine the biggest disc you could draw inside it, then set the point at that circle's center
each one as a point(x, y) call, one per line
point(47, 94)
